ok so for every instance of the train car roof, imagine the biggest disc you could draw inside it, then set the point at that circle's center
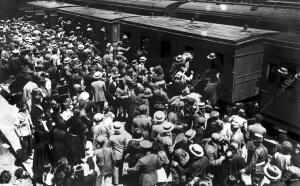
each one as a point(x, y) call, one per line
point(246, 11)
point(49, 4)
point(203, 30)
point(140, 3)
point(95, 13)
point(290, 39)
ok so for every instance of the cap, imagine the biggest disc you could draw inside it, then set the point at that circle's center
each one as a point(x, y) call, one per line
point(146, 144)
point(216, 136)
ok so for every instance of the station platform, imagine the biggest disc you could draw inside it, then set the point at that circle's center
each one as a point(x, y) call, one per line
point(7, 120)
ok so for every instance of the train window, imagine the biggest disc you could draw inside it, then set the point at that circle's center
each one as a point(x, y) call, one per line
point(144, 41)
point(165, 49)
point(189, 49)
point(126, 34)
point(287, 77)
point(271, 72)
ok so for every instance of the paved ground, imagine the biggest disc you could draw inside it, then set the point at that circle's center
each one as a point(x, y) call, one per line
point(7, 162)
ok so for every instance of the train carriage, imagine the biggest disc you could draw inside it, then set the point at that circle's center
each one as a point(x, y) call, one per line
point(106, 23)
point(280, 82)
point(46, 11)
point(141, 7)
point(255, 16)
point(239, 51)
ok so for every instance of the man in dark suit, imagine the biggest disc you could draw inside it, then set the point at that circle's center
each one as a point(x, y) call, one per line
point(111, 92)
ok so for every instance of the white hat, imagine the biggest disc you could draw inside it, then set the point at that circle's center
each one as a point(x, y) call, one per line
point(211, 56)
point(15, 51)
point(47, 178)
point(272, 172)
point(283, 70)
point(159, 116)
point(196, 150)
point(117, 125)
point(97, 75)
point(178, 58)
point(167, 126)
point(142, 58)
point(98, 117)
point(67, 60)
point(84, 96)
point(81, 47)
point(97, 58)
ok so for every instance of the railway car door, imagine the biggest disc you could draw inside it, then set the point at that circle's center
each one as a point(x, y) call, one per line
point(247, 71)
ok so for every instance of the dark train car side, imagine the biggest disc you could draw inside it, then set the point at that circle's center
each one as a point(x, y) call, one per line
point(259, 16)
point(239, 52)
point(140, 7)
point(280, 82)
point(46, 11)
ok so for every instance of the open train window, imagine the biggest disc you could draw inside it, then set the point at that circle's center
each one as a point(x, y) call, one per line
point(165, 49)
point(287, 77)
point(128, 34)
point(189, 49)
point(271, 72)
point(144, 42)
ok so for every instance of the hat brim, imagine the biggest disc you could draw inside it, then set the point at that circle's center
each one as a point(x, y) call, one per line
point(211, 57)
point(168, 130)
point(97, 77)
point(282, 72)
point(159, 120)
point(272, 177)
point(194, 153)
point(192, 136)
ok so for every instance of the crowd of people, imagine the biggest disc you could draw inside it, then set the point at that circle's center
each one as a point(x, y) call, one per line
point(92, 116)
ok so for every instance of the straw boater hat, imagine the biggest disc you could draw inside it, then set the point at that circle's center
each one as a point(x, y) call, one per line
point(98, 117)
point(117, 126)
point(272, 172)
point(67, 60)
point(84, 96)
point(80, 47)
point(167, 127)
point(145, 144)
point(196, 150)
point(283, 70)
point(97, 58)
point(178, 58)
point(190, 134)
point(216, 136)
point(97, 75)
point(15, 51)
point(159, 116)
point(211, 56)
point(258, 137)
point(142, 59)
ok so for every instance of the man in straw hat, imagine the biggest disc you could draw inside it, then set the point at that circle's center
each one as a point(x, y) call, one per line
point(272, 176)
point(99, 91)
point(164, 139)
point(158, 119)
point(198, 165)
point(118, 142)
